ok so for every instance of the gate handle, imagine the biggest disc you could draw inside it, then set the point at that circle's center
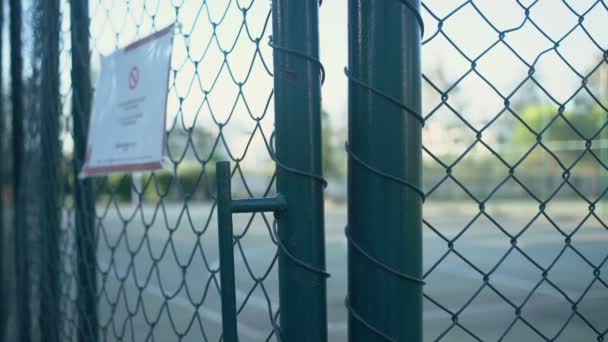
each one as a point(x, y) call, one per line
point(226, 206)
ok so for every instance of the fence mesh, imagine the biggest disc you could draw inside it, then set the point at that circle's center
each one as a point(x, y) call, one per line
point(524, 160)
point(155, 234)
point(157, 259)
point(522, 163)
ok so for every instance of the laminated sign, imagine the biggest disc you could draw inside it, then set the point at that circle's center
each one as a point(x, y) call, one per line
point(127, 127)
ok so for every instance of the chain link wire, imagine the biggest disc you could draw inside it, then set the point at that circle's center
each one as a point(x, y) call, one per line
point(159, 268)
point(540, 170)
point(155, 233)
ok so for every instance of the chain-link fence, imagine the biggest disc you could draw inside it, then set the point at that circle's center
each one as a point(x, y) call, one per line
point(505, 140)
point(157, 258)
point(138, 253)
point(515, 160)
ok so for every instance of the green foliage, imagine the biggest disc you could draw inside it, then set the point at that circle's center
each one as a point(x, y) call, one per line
point(118, 186)
point(192, 182)
point(567, 126)
point(195, 138)
point(330, 149)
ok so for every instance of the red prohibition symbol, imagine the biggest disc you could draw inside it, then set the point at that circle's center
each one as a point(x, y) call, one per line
point(133, 77)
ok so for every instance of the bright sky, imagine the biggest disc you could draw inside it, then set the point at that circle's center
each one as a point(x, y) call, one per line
point(114, 25)
point(466, 28)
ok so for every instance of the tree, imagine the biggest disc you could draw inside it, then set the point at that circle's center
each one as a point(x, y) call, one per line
point(597, 83)
point(330, 149)
point(575, 126)
point(565, 137)
point(202, 143)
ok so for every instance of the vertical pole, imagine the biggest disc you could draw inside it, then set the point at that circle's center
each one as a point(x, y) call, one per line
point(49, 112)
point(20, 246)
point(297, 96)
point(226, 249)
point(384, 214)
point(83, 191)
point(603, 138)
point(3, 294)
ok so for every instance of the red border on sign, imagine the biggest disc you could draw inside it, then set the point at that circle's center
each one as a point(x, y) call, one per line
point(102, 170)
point(149, 38)
point(147, 166)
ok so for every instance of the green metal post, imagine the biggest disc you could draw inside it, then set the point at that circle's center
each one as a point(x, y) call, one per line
point(384, 215)
point(20, 246)
point(297, 92)
point(226, 249)
point(83, 191)
point(3, 308)
point(48, 29)
point(257, 205)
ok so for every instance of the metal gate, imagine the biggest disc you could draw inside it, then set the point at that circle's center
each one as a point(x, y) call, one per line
point(476, 165)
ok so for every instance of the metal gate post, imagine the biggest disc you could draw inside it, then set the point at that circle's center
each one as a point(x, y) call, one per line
point(20, 246)
point(83, 190)
point(226, 251)
point(384, 172)
point(49, 112)
point(3, 294)
point(226, 207)
point(297, 92)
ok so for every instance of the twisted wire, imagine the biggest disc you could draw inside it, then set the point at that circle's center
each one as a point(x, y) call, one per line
point(387, 176)
point(561, 112)
point(317, 178)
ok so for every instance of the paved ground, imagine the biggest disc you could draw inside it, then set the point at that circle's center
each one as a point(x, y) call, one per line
point(137, 290)
point(452, 283)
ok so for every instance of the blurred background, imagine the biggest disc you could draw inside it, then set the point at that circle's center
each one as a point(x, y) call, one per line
point(515, 96)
